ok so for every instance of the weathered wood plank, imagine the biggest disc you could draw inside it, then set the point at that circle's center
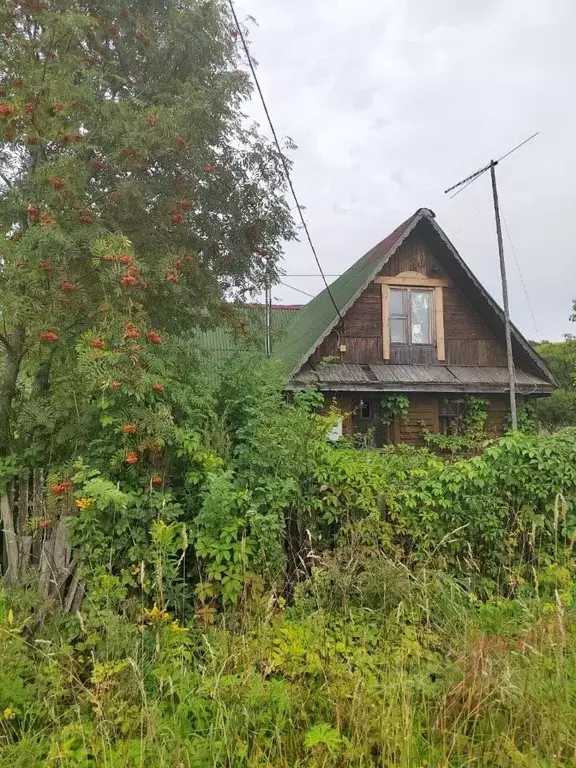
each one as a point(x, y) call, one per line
point(385, 321)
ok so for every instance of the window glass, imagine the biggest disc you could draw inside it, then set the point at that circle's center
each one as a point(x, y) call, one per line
point(420, 311)
point(397, 301)
point(398, 333)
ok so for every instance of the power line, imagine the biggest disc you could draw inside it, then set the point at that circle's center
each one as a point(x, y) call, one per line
point(282, 158)
point(297, 289)
point(314, 275)
point(520, 273)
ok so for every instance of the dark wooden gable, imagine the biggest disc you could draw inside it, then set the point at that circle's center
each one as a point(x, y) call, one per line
point(472, 334)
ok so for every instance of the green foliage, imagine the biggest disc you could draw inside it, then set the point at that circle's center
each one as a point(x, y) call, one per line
point(561, 359)
point(431, 677)
point(392, 407)
point(559, 410)
point(465, 428)
point(134, 198)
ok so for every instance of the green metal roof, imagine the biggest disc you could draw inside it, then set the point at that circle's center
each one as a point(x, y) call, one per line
point(317, 318)
point(223, 341)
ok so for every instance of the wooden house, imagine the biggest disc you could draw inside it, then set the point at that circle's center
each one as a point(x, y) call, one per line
point(412, 319)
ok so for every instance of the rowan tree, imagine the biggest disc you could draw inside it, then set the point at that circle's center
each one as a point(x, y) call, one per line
point(134, 194)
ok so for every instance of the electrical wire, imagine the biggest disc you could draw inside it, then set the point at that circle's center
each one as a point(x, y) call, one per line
point(335, 274)
point(519, 271)
point(282, 158)
point(292, 287)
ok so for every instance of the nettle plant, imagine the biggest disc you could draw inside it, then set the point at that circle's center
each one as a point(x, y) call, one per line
point(133, 198)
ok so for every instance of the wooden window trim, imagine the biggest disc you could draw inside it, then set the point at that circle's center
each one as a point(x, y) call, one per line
point(439, 313)
point(385, 320)
point(414, 280)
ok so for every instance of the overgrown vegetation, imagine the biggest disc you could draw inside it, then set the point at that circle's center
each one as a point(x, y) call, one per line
point(192, 573)
point(559, 409)
point(282, 600)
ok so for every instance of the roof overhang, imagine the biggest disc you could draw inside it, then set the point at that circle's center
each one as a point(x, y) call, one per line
point(418, 378)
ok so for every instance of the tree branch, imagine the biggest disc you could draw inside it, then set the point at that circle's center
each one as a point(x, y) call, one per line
point(6, 343)
point(5, 180)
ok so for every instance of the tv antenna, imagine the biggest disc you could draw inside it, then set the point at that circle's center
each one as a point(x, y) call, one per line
point(460, 187)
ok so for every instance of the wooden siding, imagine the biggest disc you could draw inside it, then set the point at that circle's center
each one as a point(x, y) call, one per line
point(423, 413)
point(498, 414)
point(468, 339)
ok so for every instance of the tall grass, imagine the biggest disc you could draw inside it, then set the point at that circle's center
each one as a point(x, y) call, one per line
point(387, 668)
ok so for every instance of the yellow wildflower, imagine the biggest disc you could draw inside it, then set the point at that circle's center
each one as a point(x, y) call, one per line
point(84, 503)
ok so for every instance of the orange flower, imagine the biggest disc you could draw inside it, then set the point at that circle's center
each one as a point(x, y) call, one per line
point(129, 429)
point(115, 385)
point(157, 479)
point(154, 337)
point(151, 119)
point(132, 457)
point(97, 343)
point(49, 336)
point(85, 218)
point(59, 488)
point(157, 387)
point(172, 277)
point(66, 285)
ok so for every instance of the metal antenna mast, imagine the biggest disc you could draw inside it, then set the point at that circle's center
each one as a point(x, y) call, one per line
point(460, 186)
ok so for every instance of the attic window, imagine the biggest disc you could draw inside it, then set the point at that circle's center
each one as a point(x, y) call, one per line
point(411, 318)
point(412, 312)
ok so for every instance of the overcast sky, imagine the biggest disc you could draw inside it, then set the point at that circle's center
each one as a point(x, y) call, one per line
point(392, 101)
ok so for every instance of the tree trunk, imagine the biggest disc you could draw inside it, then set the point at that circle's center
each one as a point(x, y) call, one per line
point(14, 351)
point(41, 555)
point(10, 541)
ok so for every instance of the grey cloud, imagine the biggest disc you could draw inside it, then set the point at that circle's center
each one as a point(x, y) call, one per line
point(390, 102)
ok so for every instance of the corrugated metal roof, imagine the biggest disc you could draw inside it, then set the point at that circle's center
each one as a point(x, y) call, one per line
point(429, 378)
point(222, 341)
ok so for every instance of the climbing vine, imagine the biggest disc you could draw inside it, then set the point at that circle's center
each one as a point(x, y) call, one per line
point(394, 406)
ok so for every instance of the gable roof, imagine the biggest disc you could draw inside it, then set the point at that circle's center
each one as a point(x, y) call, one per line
point(316, 320)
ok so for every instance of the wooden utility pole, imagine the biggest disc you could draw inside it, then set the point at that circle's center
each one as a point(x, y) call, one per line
point(460, 186)
point(510, 359)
